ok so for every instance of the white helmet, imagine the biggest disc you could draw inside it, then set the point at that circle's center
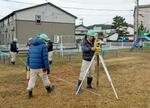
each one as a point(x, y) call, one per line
point(29, 39)
point(15, 40)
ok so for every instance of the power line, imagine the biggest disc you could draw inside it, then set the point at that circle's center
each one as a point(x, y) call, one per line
point(87, 9)
point(19, 2)
point(91, 2)
point(90, 9)
point(102, 14)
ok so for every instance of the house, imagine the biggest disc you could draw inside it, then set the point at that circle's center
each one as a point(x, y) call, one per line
point(144, 17)
point(102, 29)
point(43, 18)
point(80, 32)
point(130, 29)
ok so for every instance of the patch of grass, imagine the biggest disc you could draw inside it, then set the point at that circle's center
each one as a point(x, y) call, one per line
point(129, 73)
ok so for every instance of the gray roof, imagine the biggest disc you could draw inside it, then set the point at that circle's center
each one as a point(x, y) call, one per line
point(81, 25)
point(104, 26)
point(12, 13)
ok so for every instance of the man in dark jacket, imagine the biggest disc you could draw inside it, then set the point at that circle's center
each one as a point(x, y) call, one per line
point(13, 51)
point(88, 50)
point(38, 63)
point(50, 51)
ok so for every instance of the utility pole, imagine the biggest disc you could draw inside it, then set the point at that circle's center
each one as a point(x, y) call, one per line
point(81, 19)
point(137, 17)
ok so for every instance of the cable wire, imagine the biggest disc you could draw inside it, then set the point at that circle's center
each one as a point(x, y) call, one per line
point(88, 9)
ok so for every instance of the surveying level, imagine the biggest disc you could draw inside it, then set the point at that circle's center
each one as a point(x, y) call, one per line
point(97, 46)
point(97, 43)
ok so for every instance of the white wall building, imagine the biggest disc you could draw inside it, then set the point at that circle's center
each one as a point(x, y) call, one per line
point(144, 16)
point(44, 18)
point(80, 32)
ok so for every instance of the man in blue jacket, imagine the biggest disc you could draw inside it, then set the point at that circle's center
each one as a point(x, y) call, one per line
point(38, 63)
point(88, 50)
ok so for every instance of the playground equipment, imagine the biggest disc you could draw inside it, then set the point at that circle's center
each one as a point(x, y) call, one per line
point(147, 38)
point(146, 44)
point(143, 33)
point(99, 59)
point(138, 40)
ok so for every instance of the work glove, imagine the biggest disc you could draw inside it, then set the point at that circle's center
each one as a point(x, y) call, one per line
point(46, 70)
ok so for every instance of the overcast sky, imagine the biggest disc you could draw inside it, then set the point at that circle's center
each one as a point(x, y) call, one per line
point(91, 11)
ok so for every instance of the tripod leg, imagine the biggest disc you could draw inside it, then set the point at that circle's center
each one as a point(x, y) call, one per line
point(108, 76)
point(85, 74)
point(97, 82)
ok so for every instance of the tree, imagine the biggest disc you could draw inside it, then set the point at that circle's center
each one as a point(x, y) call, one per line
point(119, 21)
point(120, 25)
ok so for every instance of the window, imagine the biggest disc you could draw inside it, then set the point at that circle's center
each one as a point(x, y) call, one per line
point(2, 24)
point(5, 23)
point(38, 19)
point(8, 22)
point(11, 20)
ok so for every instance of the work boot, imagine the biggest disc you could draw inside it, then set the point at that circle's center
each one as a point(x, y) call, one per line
point(30, 94)
point(89, 82)
point(79, 82)
point(50, 88)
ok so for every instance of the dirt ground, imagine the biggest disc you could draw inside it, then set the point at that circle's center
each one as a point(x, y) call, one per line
point(130, 73)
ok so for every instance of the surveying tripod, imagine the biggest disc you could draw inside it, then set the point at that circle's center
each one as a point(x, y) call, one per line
point(97, 46)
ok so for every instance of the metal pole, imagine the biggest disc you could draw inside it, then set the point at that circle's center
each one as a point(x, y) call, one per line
point(61, 46)
point(137, 17)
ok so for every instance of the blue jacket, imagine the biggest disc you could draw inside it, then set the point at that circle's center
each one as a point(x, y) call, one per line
point(38, 55)
point(87, 53)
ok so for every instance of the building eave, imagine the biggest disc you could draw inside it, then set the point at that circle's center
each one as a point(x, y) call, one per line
point(12, 13)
